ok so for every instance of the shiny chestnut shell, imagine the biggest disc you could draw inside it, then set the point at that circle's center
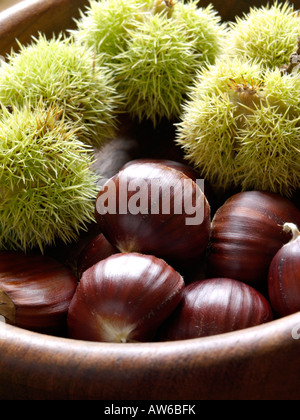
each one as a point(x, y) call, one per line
point(215, 306)
point(124, 298)
point(96, 250)
point(246, 234)
point(187, 170)
point(165, 234)
point(35, 292)
point(182, 167)
point(284, 278)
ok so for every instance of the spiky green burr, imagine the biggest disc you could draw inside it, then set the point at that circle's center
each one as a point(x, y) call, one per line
point(104, 25)
point(64, 73)
point(155, 70)
point(163, 54)
point(47, 190)
point(241, 127)
point(203, 27)
point(267, 34)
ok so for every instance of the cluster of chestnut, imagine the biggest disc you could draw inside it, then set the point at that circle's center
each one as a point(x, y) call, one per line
point(163, 266)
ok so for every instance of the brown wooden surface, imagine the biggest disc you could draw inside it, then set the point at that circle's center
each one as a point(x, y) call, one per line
point(27, 18)
point(259, 363)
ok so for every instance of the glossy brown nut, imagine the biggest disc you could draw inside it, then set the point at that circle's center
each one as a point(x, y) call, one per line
point(186, 169)
point(246, 234)
point(155, 220)
point(98, 249)
point(284, 277)
point(216, 306)
point(35, 292)
point(124, 298)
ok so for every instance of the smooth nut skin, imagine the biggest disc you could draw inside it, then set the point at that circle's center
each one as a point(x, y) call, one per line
point(96, 250)
point(163, 233)
point(284, 279)
point(40, 289)
point(124, 298)
point(182, 167)
point(246, 234)
point(215, 306)
point(187, 170)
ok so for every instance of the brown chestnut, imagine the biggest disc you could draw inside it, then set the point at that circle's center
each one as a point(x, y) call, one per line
point(154, 209)
point(187, 170)
point(96, 250)
point(35, 292)
point(284, 276)
point(246, 234)
point(215, 306)
point(124, 298)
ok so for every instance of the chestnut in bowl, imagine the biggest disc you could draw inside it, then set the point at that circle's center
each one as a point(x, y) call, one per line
point(247, 231)
point(124, 298)
point(151, 208)
point(96, 250)
point(215, 306)
point(35, 292)
point(189, 171)
point(284, 275)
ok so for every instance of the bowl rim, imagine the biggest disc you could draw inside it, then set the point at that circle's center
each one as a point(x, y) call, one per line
point(282, 328)
point(237, 365)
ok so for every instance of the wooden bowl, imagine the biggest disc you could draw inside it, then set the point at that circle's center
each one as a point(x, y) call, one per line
point(258, 363)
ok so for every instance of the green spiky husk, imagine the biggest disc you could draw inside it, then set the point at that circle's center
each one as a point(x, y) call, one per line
point(62, 72)
point(155, 70)
point(104, 25)
point(267, 34)
point(163, 53)
point(203, 27)
point(241, 127)
point(47, 190)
